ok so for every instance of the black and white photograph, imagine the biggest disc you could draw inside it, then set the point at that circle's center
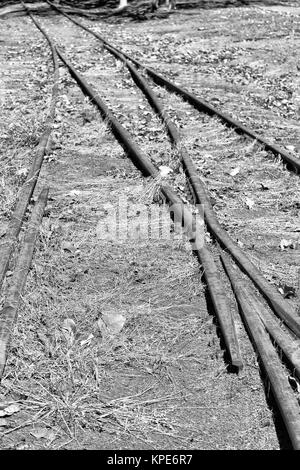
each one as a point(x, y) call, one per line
point(149, 229)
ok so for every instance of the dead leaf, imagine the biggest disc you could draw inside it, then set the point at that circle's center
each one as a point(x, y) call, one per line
point(286, 244)
point(287, 291)
point(22, 172)
point(74, 192)
point(110, 323)
point(22, 446)
point(67, 246)
point(88, 340)
point(10, 410)
point(235, 171)
point(249, 203)
point(164, 170)
point(43, 433)
point(208, 238)
point(69, 330)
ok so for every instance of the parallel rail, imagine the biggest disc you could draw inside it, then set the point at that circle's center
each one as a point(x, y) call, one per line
point(8, 314)
point(257, 318)
point(281, 307)
point(200, 104)
point(8, 245)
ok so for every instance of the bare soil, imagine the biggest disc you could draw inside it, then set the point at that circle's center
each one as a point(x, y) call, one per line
point(162, 382)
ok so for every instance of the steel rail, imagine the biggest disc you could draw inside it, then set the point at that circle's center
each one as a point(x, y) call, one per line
point(7, 245)
point(279, 305)
point(8, 314)
point(200, 192)
point(288, 344)
point(292, 162)
point(290, 347)
point(285, 397)
point(181, 213)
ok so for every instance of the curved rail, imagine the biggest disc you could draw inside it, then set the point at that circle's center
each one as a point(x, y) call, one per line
point(200, 104)
point(257, 321)
point(179, 210)
point(279, 305)
point(8, 314)
point(8, 244)
point(142, 162)
point(285, 397)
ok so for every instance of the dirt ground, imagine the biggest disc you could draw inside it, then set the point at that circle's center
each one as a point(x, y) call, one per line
point(161, 382)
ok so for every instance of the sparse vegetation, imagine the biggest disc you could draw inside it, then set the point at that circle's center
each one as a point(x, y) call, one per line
point(161, 381)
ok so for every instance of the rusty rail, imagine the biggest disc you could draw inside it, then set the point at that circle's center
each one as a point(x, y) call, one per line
point(7, 245)
point(142, 162)
point(280, 306)
point(200, 104)
point(8, 314)
point(285, 397)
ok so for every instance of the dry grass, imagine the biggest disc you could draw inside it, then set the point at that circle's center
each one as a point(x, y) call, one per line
point(261, 181)
point(69, 382)
point(161, 382)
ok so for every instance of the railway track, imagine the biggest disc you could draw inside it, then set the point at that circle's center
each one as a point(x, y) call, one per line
point(260, 322)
